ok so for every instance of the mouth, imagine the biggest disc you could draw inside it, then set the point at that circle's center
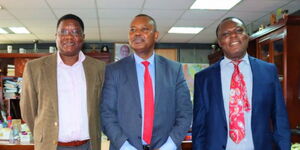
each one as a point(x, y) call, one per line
point(138, 40)
point(69, 43)
point(235, 43)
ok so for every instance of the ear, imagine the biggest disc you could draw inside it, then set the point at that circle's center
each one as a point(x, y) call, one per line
point(156, 35)
point(83, 36)
point(219, 43)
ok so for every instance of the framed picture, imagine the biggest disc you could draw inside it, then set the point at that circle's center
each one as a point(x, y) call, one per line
point(122, 50)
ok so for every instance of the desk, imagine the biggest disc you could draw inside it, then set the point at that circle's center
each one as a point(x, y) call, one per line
point(186, 145)
point(5, 145)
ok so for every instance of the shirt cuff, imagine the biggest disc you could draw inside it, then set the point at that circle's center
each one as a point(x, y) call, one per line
point(127, 146)
point(169, 145)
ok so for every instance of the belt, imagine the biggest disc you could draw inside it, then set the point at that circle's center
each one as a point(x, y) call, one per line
point(72, 143)
point(146, 147)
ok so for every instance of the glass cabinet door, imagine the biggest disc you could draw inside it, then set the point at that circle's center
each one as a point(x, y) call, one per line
point(264, 52)
point(278, 56)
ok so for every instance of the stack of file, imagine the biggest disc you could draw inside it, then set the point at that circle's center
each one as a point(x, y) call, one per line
point(10, 70)
point(10, 89)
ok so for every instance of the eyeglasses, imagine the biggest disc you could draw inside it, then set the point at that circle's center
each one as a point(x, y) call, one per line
point(236, 31)
point(67, 32)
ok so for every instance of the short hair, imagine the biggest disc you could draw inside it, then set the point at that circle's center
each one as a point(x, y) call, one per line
point(152, 19)
point(230, 18)
point(73, 17)
point(124, 46)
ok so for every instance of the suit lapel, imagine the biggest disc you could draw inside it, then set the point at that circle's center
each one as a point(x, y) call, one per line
point(160, 69)
point(50, 70)
point(89, 76)
point(130, 69)
point(255, 86)
point(217, 85)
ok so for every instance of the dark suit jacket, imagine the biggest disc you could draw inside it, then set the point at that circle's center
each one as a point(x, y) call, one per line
point(121, 108)
point(39, 101)
point(269, 122)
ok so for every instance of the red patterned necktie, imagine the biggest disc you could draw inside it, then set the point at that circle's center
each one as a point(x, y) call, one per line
point(148, 105)
point(238, 103)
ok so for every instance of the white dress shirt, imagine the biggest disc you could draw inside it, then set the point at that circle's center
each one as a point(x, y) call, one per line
point(227, 69)
point(72, 101)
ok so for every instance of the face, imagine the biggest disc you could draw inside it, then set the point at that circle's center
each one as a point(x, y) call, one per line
point(233, 39)
point(124, 51)
point(69, 37)
point(142, 36)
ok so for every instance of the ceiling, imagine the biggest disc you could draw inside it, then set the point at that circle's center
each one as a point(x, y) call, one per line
point(108, 20)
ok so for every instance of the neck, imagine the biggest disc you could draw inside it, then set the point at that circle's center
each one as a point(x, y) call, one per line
point(236, 58)
point(69, 60)
point(145, 56)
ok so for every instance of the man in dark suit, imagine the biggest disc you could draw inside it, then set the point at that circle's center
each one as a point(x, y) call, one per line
point(130, 98)
point(238, 102)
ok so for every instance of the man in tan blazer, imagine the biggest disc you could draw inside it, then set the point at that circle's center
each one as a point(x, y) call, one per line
point(60, 95)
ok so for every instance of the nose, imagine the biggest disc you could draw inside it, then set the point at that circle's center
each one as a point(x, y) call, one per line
point(233, 34)
point(137, 32)
point(68, 36)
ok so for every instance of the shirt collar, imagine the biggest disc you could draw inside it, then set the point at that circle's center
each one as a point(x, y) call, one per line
point(139, 60)
point(81, 58)
point(245, 59)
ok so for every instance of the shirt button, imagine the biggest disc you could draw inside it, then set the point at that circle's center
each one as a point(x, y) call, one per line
point(54, 142)
point(140, 115)
point(55, 124)
point(139, 137)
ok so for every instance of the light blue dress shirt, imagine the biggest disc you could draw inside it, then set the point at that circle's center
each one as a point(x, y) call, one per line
point(140, 69)
point(227, 69)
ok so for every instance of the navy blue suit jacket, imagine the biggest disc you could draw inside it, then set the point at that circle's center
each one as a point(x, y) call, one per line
point(121, 108)
point(269, 121)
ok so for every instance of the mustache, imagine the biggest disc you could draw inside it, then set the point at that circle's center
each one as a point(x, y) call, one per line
point(138, 38)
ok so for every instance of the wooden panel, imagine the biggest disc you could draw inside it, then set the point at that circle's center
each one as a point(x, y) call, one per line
point(5, 145)
point(168, 53)
point(289, 31)
point(100, 55)
point(19, 65)
point(186, 146)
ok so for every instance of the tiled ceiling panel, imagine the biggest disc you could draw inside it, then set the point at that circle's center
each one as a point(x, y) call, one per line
point(109, 20)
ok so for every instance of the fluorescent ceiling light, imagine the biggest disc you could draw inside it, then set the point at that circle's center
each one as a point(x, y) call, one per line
point(2, 31)
point(19, 30)
point(185, 30)
point(214, 4)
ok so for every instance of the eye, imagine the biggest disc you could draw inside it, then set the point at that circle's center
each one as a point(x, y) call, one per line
point(132, 30)
point(145, 29)
point(225, 34)
point(76, 32)
point(239, 30)
point(63, 32)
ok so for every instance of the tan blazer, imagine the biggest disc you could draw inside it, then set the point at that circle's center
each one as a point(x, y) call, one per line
point(39, 102)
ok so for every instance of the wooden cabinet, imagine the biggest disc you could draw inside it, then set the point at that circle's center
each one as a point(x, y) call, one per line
point(279, 44)
point(18, 61)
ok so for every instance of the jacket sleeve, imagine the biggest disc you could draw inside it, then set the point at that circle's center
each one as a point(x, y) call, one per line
point(183, 109)
point(109, 112)
point(29, 101)
point(280, 118)
point(198, 130)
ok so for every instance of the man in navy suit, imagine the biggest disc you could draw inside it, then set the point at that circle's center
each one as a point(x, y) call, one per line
point(123, 95)
point(265, 124)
